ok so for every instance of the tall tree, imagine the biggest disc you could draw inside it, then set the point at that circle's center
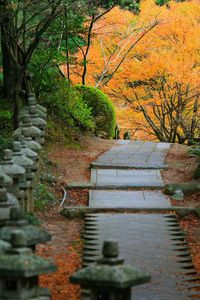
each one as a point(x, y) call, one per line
point(93, 11)
point(161, 84)
point(22, 25)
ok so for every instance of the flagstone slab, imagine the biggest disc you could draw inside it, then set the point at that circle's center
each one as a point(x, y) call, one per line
point(151, 242)
point(126, 178)
point(128, 199)
point(134, 154)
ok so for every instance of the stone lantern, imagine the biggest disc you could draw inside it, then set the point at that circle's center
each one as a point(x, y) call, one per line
point(31, 101)
point(7, 180)
point(109, 278)
point(7, 200)
point(4, 246)
point(17, 173)
point(32, 131)
point(22, 160)
point(41, 110)
point(35, 119)
point(20, 270)
point(28, 153)
point(34, 234)
point(30, 143)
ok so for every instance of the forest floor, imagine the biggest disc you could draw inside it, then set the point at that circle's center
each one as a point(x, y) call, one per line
point(66, 245)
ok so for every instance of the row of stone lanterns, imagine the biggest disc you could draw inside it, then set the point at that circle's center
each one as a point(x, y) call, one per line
point(21, 162)
point(20, 267)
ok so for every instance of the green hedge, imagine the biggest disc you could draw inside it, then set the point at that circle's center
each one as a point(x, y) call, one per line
point(102, 110)
point(67, 104)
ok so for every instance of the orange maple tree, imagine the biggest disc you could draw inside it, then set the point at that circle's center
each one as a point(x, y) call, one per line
point(165, 85)
point(149, 65)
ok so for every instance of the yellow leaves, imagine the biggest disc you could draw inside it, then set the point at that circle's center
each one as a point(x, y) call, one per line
point(172, 49)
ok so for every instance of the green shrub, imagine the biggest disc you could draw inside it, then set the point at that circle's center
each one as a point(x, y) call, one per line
point(68, 105)
point(5, 142)
point(6, 126)
point(102, 110)
point(195, 150)
point(42, 197)
point(32, 218)
point(47, 178)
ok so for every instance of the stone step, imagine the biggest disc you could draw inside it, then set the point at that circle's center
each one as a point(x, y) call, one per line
point(146, 241)
point(135, 154)
point(128, 199)
point(126, 178)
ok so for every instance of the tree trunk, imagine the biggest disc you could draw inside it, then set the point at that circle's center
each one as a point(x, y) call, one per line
point(67, 46)
point(8, 68)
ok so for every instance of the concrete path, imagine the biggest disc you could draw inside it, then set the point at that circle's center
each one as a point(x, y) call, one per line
point(128, 199)
point(117, 178)
point(128, 176)
point(104, 176)
point(134, 154)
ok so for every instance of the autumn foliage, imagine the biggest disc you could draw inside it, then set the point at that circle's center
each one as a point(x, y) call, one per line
point(149, 65)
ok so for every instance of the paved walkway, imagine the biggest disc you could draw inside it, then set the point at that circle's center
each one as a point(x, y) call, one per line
point(142, 154)
point(118, 178)
point(128, 199)
point(134, 154)
point(128, 176)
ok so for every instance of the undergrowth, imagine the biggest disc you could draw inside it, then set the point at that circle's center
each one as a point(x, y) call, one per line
point(43, 198)
point(31, 217)
point(195, 150)
point(58, 133)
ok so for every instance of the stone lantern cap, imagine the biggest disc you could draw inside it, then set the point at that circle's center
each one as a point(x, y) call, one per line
point(20, 262)
point(22, 160)
point(15, 171)
point(32, 101)
point(7, 198)
point(19, 157)
point(34, 234)
point(36, 120)
point(27, 151)
point(30, 143)
point(32, 130)
point(4, 246)
point(9, 167)
point(109, 271)
point(26, 123)
point(5, 180)
point(7, 201)
point(25, 110)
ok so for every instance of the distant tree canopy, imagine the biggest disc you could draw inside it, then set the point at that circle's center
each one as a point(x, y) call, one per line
point(38, 37)
point(35, 34)
point(150, 66)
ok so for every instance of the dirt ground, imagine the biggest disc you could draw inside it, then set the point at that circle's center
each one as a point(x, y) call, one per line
point(181, 165)
point(181, 169)
point(74, 165)
point(66, 245)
